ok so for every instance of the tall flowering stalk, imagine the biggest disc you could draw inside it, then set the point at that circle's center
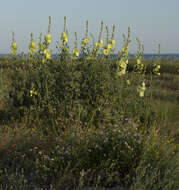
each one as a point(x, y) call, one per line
point(75, 52)
point(62, 45)
point(112, 41)
point(32, 46)
point(85, 43)
point(98, 45)
point(40, 45)
point(64, 35)
point(47, 41)
point(123, 55)
point(139, 67)
point(110, 44)
point(107, 47)
point(14, 46)
point(122, 66)
point(156, 66)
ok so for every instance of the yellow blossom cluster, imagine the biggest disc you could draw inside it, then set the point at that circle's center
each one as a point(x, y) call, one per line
point(40, 46)
point(156, 69)
point(47, 54)
point(14, 48)
point(108, 47)
point(123, 65)
point(33, 92)
point(141, 89)
point(46, 51)
point(112, 42)
point(98, 44)
point(155, 132)
point(125, 51)
point(139, 67)
point(106, 51)
point(32, 47)
point(48, 39)
point(85, 41)
point(64, 37)
point(76, 52)
point(128, 82)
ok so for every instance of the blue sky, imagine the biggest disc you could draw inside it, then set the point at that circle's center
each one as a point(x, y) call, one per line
point(152, 21)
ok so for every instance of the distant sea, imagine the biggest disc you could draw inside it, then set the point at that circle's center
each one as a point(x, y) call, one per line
point(145, 56)
point(162, 56)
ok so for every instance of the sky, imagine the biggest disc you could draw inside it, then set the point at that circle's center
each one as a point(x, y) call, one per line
point(152, 21)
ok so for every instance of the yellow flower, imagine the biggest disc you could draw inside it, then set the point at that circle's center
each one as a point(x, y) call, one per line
point(32, 47)
point(48, 38)
point(76, 52)
point(106, 51)
point(143, 85)
point(109, 46)
point(113, 42)
point(85, 41)
point(139, 66)
point(125, 50)
point(122, 72)
point(64, 37)
point(33, 92)
point(141, 93)
point(96, 45)
point(13, 48)
point(156, 69)
point(128, 82)
point(122, 63)
point(33, 44)
point(40, 46)
point(99, 44)
point(14, 45)
point(141, 89)
point(138, 61)
point(47, 53)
